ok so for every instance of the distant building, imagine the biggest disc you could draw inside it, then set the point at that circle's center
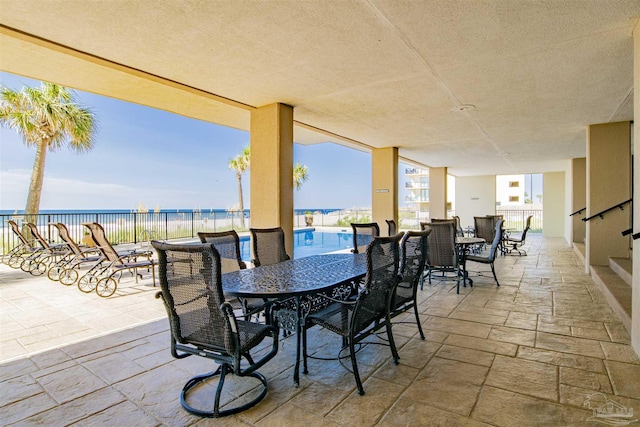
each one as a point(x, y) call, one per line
point(510, 190)
point(417, 185)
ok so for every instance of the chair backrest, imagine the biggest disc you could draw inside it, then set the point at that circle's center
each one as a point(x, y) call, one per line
point(442, 244)
point(63, 232)
point(100, 238)
point(227, 243)
point(496, 240)
point(363, 234)
point(392, 226)
point(190, 279)
point(485, 227)
point(17, 232)
point(526, 228)
point(268, 246)
point(36, 234)
point(413, 258)
point(459, 230)
point(383, 259)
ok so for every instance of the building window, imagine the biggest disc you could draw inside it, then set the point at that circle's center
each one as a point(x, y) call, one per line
point(514, 184)
point(514, 199)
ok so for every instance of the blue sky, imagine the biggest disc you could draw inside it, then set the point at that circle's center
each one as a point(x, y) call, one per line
point(164, 160)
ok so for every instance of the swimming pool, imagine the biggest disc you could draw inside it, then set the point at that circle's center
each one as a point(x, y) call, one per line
point(309, 242)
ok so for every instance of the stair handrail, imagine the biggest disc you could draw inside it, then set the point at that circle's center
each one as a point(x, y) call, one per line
point(579, 211)
point(601, 214)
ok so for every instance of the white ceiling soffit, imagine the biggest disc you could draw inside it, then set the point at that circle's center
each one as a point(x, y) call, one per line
point(379, 73)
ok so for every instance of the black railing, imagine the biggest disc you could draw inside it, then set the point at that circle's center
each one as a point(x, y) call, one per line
point(135, 227)
point(579, 211)
point(516, 219)
point(601, 214)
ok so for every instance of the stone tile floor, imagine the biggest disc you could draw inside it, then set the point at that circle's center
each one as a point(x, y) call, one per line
point(530, 352)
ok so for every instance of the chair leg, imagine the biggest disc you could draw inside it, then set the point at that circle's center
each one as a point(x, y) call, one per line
point(216, 412)
point(415, 309)
point(354, 364)
point(493, 270)
point(392, 343)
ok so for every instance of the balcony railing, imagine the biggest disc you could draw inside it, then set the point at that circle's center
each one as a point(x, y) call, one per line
point(416, 171)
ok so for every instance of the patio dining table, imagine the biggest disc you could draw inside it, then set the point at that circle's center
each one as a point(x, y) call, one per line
point(297, 282)
point(463, 245)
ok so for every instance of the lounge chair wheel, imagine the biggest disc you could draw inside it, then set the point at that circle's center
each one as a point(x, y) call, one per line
point(15, 261)
point(40, 269)
point(106, 287)
point(54, 273)
point(87, 283)
point(68, 277)
point(27, 265)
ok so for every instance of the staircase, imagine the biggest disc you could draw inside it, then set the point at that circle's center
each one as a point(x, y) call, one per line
point(614, 281)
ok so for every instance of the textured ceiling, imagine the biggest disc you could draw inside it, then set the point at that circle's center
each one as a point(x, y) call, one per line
point(379, 73)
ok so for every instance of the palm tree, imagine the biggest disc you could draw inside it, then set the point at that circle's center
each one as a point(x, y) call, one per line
point(300, 175)
point(241, 164)
point(48, 118)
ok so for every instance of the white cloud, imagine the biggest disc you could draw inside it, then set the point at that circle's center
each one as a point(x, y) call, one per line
point(65, 193)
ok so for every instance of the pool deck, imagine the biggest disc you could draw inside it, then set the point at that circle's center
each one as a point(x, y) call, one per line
point(543, 349)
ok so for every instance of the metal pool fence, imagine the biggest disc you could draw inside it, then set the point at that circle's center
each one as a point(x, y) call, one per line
point(137, 227)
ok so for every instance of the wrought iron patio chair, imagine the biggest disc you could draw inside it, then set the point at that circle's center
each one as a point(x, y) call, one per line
point(363, 234)
point(442, 255)
point(491, 256)
point(413, 258)
point(66, 270)
point(392, 226)
point(354, 320)
point(485, 229)
point(202, 323)
point(268, 246)
point(459, 230)
point(516, 243)
point(227, 243)
point(104, 280)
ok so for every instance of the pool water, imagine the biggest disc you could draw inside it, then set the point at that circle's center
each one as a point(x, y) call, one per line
point(309, 242)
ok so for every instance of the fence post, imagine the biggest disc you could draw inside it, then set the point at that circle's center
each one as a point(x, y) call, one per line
point(166, 226)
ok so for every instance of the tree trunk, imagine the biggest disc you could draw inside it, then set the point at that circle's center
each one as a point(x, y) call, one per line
point(241, 207)
point(35, 187)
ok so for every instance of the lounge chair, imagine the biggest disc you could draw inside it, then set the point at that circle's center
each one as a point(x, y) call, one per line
point(105, 278)
point(43, 259)
point(66, 270)
point(22, 250)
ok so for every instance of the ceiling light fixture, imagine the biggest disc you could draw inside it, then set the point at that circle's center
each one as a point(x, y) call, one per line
point(463, 107)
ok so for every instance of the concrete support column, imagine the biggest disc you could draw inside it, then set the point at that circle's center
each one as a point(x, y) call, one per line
point(438, 193)
point(579, 200)
point(272, 169)
point(608, 183)
point(635, 303)
point(553, 204)
point(384, 182)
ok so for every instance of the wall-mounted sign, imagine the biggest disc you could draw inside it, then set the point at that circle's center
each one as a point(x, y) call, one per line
point(475, 198)
point(382, 190)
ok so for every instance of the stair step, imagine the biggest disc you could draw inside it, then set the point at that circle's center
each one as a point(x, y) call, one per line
point(623, 267)
point(579, 249)
point(615, 290)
